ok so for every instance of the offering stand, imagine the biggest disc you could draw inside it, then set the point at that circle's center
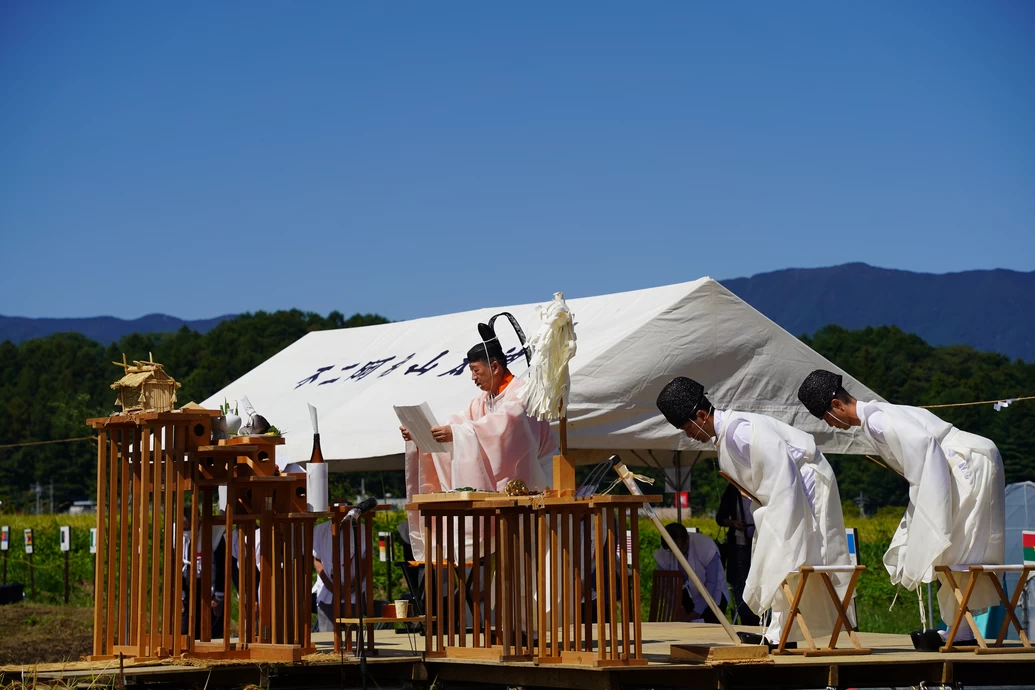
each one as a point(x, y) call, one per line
point(535, 568)
point(150, 465)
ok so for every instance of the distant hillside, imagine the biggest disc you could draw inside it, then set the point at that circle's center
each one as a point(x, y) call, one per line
point(988, 310)
point(103, 329)
point(992, 311)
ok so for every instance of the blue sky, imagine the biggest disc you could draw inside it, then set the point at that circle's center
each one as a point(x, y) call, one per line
point(412, 159)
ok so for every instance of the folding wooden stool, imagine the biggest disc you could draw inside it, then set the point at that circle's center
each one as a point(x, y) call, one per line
point(840, 604)
point(992, 571)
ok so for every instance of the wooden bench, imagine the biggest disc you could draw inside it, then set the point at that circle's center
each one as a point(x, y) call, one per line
point(992, 571)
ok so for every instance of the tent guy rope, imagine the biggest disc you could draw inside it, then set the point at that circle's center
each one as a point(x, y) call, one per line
point(44, 443)
point(978, 402)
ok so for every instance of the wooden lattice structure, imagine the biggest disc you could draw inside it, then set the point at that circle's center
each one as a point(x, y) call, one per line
point(348, 597)
point(537, 562)
point(145, 387)
point(150, 465)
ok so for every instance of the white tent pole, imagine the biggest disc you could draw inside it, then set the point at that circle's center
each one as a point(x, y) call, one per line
point(634, 488)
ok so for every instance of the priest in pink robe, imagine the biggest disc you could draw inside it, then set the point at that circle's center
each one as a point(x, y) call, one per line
point(494, 441)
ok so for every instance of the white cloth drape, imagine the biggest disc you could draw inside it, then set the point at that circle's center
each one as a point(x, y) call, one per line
point(788, 534)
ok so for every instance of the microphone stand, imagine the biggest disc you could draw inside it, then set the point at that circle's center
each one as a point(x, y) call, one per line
point(359, 605)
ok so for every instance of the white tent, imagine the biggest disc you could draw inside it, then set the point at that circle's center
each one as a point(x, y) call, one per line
point(629, 345)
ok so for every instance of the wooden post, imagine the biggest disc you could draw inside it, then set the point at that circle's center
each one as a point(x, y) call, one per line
point(140, 533)
point(450, 579)
point(428, 557)
point(126, 480)
point(437, 570)
point(113, 524)
point(98, 583)
point(368, 576)
point(609, 520)
point(505, 572)
point(138, 520)
point(461, 581)
point(197, 543)
point(636, 581)
point(156, 543)
point(66, 578)
point(266, 561)
point(476, 585)
point(541, 580)
point(564, 466)
point(32, 578)
point(228, 530)
point(587, 565)
point(564, 593)
point(179, 484)
point(598, 524)
point(170, 569)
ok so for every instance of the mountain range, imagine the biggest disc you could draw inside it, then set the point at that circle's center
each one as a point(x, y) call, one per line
point(990, 310)
point(103, 329)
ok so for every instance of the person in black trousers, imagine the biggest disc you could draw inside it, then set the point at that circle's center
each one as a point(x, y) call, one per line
point(735, 515)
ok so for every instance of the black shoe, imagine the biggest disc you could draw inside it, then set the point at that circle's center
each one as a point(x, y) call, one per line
point(926, 640)
point(754, 638)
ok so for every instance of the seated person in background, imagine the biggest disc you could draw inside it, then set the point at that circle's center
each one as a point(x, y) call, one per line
point(702, 555)
point(323, 564)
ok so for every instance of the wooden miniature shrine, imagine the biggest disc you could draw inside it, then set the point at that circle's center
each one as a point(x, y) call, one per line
point(145, 386)
point(150, 466)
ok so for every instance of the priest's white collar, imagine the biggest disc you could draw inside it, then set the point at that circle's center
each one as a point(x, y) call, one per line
point(718, 418)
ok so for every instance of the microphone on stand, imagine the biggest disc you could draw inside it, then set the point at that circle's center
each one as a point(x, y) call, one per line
point(363, 507)
point(353, 517)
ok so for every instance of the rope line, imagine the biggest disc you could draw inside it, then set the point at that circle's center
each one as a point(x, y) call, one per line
point(926, 407)
point(43, 443)
point(979, 402)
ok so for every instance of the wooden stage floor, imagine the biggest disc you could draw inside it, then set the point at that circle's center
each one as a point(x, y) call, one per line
point(398, 664)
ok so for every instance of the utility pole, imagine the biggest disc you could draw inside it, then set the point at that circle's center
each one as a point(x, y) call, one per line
point(39, 502)
point(51, 496)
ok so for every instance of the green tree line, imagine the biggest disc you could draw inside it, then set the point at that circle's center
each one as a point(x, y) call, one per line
point(49, 386)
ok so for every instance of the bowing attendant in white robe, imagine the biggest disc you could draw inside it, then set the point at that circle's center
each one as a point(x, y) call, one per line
point(956, 511)
point(794, 492)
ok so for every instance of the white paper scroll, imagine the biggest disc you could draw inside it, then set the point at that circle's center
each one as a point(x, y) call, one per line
point(418, 420)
